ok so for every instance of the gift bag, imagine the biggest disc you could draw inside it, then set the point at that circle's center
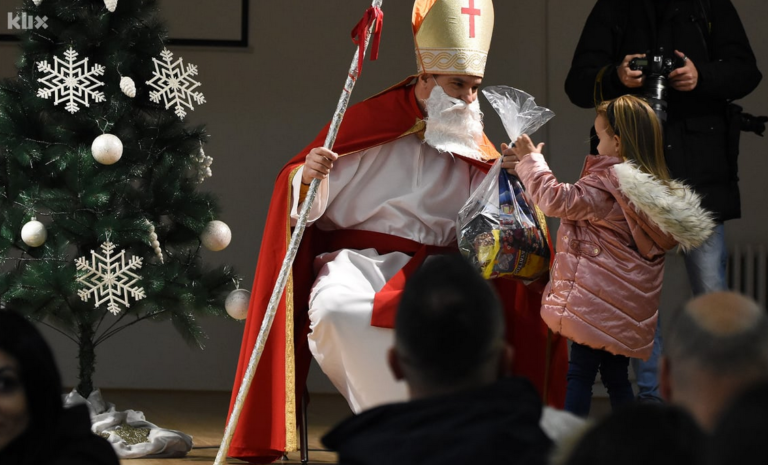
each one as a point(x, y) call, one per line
point(499, 229)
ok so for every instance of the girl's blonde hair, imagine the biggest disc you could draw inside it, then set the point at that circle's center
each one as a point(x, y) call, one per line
point(634, 121)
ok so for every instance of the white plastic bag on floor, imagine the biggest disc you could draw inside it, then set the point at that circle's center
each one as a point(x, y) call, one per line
point(130, 434)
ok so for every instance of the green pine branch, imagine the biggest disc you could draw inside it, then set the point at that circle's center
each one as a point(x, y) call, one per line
point(47, 171)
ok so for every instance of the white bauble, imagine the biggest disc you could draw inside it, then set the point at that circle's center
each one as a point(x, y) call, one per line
point(107, 149)
point(216, 236)
point(111, 5)
point(128, 86)
point(237, 304)
point(37, 2)
point(33, 233)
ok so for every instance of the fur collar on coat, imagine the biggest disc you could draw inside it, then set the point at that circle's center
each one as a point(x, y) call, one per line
point(673, 208)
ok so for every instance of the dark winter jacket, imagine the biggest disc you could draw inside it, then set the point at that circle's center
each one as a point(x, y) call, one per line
point(496, 424)
point(710, 33)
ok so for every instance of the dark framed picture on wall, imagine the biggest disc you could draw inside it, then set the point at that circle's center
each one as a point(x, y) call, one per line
point(202, 23)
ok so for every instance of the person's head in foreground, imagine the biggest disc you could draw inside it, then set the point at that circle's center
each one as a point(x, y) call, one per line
point(30, 390)
point(450, 350)
point(716, 347)
point(639, 434)
point(449, 331)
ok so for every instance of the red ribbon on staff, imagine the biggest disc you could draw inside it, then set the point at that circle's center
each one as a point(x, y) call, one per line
point(373, 16)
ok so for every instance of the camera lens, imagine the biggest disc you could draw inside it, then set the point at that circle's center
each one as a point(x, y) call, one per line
point(750, 123)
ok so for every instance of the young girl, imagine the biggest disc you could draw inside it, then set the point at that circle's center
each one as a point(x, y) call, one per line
point(617, 222)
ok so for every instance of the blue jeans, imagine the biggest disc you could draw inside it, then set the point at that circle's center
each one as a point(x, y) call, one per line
point(706, 264)
point(706, 273)
point(582, 371)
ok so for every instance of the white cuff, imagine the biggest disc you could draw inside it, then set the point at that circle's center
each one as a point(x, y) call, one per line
point(319, 205)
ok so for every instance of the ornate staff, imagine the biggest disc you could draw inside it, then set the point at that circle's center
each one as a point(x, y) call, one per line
point(369, 26)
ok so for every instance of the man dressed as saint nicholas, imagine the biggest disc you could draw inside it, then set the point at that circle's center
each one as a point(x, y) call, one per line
point(405, 161)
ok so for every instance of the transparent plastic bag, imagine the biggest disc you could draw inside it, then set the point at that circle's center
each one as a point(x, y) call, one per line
point(499, 229)
point(518, 110)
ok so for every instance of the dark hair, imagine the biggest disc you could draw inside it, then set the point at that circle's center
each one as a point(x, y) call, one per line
point(450, 322)
point(642, 434)
point(739, 436)
point(40, 378)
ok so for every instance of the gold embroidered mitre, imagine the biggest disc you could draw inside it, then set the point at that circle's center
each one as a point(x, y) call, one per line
point(452, 36)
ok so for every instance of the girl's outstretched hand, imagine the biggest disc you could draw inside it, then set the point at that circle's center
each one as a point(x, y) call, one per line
point(512, 155)
point(524, 145)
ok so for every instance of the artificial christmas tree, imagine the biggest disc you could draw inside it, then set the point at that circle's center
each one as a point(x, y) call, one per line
point(100, 211)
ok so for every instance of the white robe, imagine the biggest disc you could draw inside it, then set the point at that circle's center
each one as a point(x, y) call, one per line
point(403, 188)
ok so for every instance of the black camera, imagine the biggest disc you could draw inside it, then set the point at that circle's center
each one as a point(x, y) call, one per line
point(656, 69)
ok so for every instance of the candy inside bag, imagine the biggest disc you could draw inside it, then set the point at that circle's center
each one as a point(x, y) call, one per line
point(500, 232)
point(499, 229)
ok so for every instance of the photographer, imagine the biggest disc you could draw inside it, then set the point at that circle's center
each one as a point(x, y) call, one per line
point(713, 64)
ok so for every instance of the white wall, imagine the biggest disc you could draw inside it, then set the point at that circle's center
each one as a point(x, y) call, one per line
point(264, 103)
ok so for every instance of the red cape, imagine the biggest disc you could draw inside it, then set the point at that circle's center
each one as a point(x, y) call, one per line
point(268, 423)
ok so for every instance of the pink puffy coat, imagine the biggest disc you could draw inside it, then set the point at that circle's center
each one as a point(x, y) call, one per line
point(617, 223)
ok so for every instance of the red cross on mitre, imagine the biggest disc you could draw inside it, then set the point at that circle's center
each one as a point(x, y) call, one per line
point(472, 12)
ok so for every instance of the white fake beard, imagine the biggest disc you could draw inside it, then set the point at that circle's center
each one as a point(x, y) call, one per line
point(453, 125)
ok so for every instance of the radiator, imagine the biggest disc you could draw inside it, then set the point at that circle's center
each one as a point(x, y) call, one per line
point(748, 271)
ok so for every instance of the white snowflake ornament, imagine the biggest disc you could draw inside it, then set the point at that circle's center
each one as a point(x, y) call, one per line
point(71, 81)
point(174, 84)
point(128, 86)
point(111, 5)
point(109, 278)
